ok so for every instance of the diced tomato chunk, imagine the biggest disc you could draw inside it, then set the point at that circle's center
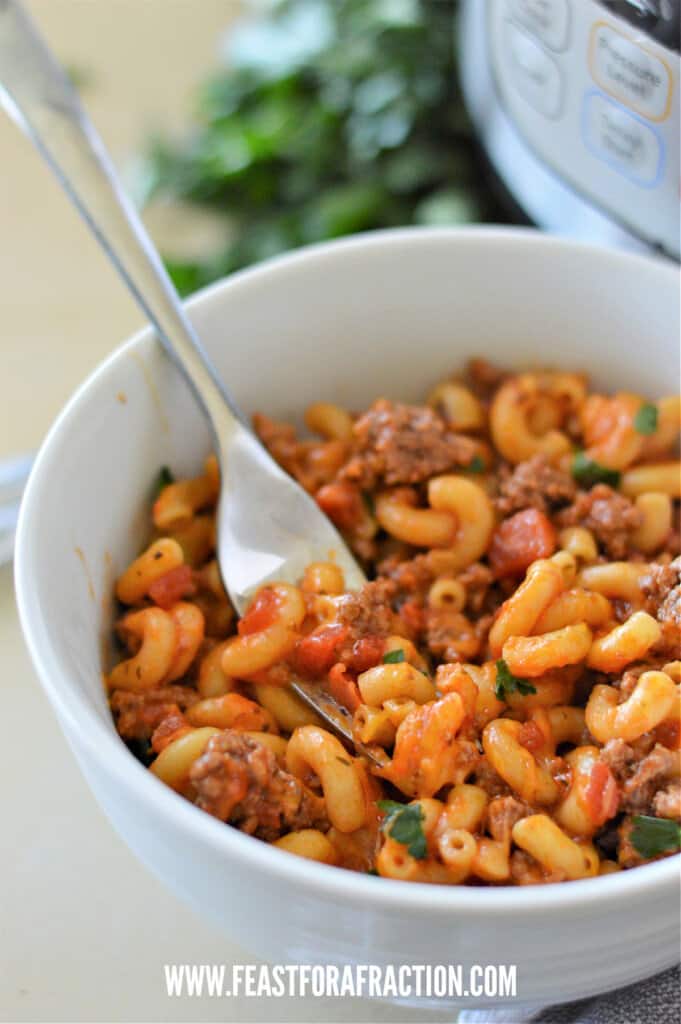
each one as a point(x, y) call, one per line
point(343, 689)
point(316, 652)
point(172, 586)
point(531, 736)
point(262, 614)
point(519, 541)
point(602, 795)
point(366, 652)
point(342, 503)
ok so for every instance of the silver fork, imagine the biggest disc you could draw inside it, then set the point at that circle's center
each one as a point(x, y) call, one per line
point(252, 548)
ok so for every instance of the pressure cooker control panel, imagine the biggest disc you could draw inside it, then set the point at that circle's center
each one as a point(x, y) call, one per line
point(595, 93)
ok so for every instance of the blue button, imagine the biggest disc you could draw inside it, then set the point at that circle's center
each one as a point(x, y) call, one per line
point(623, 141)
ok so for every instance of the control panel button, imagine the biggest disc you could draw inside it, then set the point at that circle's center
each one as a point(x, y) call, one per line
point(624, 142)
point(534, 73)
point(549, 20)
point(628, 72)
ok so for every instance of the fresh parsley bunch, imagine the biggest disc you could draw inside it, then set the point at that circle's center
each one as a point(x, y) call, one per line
point(331, 117)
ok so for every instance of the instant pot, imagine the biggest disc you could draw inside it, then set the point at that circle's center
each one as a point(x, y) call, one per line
point(576, 103)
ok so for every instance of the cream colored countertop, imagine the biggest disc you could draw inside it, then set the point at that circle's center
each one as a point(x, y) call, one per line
point(84, 929)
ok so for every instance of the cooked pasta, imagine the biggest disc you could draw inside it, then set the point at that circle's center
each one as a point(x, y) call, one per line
point(515, 656)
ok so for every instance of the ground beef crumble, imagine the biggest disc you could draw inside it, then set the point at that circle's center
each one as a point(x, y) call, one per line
point(610, 516)
point(280, 439)
point(640, 777)
point(450, 636)
point(412, 577)
point(667, 802)
point(478, 580)
point(239, 780)
point(311, 463)
point(661, 585)
point(403, 444)
point(137, 715)
point(171, 728)
point(525, 870)
point(627, 684)
point(534, 483)
point(502, 815)
point(489, 780)
point(369, 611)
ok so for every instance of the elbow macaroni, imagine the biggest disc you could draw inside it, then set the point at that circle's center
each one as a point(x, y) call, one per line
point(652, 700)
point(316, 750)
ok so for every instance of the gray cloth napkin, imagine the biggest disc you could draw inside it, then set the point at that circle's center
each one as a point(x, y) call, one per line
point(656, 1001)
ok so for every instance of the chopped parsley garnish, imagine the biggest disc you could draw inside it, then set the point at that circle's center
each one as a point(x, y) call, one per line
point(476, 465)
point(404, 824)
point(393, 657)
point(645, 420)
point(165, 477)
point(372, 871)
point(587, 472)
point(368, 500)
point(508, 683)
point(653, 836)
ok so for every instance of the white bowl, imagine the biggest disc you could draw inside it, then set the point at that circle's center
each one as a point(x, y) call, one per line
point(383, 314)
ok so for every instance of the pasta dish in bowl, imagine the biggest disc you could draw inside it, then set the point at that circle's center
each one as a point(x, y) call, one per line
point(513, 662)
point(506, 668)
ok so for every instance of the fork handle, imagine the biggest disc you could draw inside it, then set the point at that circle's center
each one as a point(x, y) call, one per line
point(37, 94)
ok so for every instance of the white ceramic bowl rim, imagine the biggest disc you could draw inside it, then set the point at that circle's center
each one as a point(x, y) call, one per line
point(104, 746)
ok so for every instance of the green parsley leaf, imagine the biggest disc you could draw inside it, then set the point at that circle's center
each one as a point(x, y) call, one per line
point(393, 657)
point(390, 808)
point(476, 465)
point(369, 503)
point(645, 420)
point(587, 472)
point(165, 477)
point(653, 836)
point(404, 824)
point(506, 682)
point(372, 871)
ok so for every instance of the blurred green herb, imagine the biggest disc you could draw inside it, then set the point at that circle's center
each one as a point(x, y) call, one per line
point(164, 478)
point(404, 824)
point(653, 836)
point(333, 116)
point(369, 504)
point(395, 657)
point(645, 420)
point(506, 682)
point(588, 473)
